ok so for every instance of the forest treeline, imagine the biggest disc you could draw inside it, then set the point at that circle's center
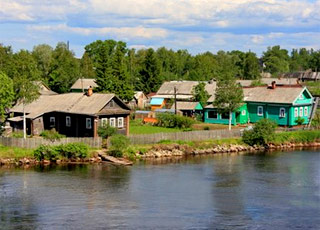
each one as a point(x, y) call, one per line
point(122, 70)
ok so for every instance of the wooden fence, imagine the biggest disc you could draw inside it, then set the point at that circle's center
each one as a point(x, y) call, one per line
point(31, 143)
point(184, 136)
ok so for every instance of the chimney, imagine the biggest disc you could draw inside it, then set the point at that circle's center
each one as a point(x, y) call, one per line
point(273, 84)
point(90, 91)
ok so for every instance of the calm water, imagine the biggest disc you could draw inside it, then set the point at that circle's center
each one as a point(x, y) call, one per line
point(267, 191)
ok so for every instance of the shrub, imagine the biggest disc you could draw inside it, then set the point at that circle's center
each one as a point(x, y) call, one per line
point(262, 133)
point(71, 150)
point(206, 128)
point(17, 134)
point(106, 131)
point(169, 120)
point(299, 120)
point(119, 143)
point(51, 135)
point(316, 120)
point(45, 152)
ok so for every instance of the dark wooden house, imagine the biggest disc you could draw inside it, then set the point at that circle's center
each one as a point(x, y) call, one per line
point(72, 114)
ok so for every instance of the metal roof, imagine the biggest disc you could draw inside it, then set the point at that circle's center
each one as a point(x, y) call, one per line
point(156, 101)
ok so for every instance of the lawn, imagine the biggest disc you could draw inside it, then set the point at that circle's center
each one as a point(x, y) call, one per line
point(13, 152)
point(137, 128)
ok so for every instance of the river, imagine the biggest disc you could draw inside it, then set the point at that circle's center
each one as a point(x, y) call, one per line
point(279, 190)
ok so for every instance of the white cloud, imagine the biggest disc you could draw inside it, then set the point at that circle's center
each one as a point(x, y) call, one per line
point(123, 32)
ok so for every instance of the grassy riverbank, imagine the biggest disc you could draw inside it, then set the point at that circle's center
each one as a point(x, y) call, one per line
point(14, 152)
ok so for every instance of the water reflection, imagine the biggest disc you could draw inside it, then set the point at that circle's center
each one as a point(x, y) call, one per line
point(269, 191)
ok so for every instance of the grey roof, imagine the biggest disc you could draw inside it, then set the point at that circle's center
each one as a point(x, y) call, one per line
point(268, 81)
point(44, 90)
point(184, 87)
point(85, 83)
point(284, 95)
point(76, 103)
point(185, 105)
point(308, 75)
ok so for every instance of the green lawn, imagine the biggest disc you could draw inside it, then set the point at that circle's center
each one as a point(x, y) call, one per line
point(136, 127)
point(13, 152)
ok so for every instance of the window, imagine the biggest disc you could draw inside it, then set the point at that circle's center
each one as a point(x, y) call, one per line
point(120, 122)
point(68, 121)
point(225, 116)
point(112, 122)
point(282, 112)
point(260, 111)
point(243, 112)
point(88, 123)
point(213, 114)
point(52, 121)
point(306, 111)
point(301, 112)
point(104, 121)
point(295, 112)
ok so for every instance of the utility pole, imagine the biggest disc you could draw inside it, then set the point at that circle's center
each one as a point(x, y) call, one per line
point(175, 100)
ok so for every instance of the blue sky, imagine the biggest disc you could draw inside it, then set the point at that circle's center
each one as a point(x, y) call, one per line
point(195, 25)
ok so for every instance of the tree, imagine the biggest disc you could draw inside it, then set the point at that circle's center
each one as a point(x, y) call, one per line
point(65, 69)
point(6, 56)
point(27, 92)
point(276, 60)
point(200, 93)
point(43, 56)
point(86, 67)
point(6, 94)
point(150, 80)
point(228, 96)
point(251, 68)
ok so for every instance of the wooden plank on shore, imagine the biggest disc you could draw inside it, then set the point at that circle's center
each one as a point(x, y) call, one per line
point(114, 160)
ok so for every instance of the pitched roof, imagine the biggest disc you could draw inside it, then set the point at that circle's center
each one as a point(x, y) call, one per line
point(44, 90)
point(285, 95)
point(185, 105)
point(268, 81)
point(84, 83)
point(76, 103)
point(184, 87)
point(156, 101)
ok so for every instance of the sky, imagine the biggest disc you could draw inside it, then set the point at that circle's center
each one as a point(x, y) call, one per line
point(195, 25)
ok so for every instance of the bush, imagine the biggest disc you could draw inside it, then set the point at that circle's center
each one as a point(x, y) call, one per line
point(316, 120)
point(73, 150)
point(51, 135)
point(17, 134)
point(169, 120)
point(119, 143)
point(45, 152)
point(106, 131)
point(52, 153)
point(262, 133)
point(206, 128)
point(299, 120)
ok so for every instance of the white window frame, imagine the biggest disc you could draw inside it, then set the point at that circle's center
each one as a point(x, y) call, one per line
point(301, 112)
point(306, 111)
point(258, 111)
point(112, 122)
point(104, 121)
point(243, 112)
point(120, 122)
point(68, 121)
point(296, 112)
point(88, 123)
point(52, 120)
point(282, 112)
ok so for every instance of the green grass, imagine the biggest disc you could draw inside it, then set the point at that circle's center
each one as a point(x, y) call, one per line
point(13, 152)
point(313, 87)
point(136, 127)
point(302, 136)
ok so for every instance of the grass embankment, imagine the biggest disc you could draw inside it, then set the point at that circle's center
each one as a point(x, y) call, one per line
point(14, 152)
point(302, 136)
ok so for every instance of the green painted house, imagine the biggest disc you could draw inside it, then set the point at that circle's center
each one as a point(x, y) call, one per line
point(283, 104)
point(212, 115)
